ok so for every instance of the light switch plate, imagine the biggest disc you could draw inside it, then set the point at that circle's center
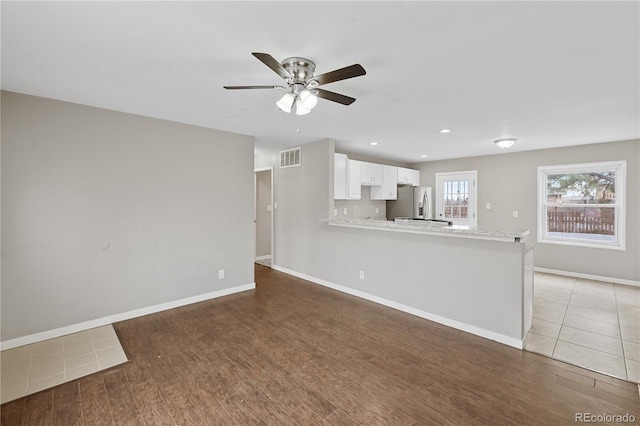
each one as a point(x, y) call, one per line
point(515, 213)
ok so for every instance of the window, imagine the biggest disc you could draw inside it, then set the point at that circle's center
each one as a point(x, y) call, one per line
point(582, 204)
point(456, 197)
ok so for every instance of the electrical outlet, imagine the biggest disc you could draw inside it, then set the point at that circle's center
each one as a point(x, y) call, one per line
point(377, 210)
point(361, 274)
point(220, 274)
point(344, 211)
point(515, 213)
point(487, 206)
point(335, 212)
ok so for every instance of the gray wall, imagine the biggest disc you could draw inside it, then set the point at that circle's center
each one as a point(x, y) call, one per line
point(106, 212)
point(263, 215)
point(509, 182)
point(303, 197)
point(401, 268)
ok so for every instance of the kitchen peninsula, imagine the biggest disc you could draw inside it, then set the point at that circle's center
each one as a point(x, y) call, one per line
point(476, 280)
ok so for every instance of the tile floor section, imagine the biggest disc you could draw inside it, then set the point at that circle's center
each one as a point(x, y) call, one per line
point(591, 324)
point(31, 368)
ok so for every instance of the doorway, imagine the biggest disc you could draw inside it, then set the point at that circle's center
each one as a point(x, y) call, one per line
point(456, 197)
point(263, 216)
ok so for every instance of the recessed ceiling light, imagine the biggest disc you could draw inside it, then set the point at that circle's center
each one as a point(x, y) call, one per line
point(445, 130)
point(373, 143)
point(423, 156)
point(505, 143)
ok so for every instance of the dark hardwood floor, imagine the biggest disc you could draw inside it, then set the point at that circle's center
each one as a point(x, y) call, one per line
point(294, 353)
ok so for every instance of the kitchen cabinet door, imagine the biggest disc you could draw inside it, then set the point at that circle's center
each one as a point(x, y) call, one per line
point(355, 176)
point(340, 177)
point(408, 176)
point(389, 188)
point(414, 177)
point(371, 174)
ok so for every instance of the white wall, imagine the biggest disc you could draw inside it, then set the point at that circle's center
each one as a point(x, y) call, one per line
point(509, 182)
point(105, 212)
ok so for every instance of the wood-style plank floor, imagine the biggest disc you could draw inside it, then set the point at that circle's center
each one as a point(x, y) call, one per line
point(294, 353)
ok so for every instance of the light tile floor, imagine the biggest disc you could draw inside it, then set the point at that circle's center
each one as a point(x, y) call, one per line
point(31, 368)
point(591, 324)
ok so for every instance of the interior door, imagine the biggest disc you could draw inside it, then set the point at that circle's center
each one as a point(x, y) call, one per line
point(456, 196)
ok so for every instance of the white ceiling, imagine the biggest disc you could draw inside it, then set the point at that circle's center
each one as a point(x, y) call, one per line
point(548, 73)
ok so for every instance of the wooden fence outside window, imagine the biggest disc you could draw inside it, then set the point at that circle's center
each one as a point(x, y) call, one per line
point(591, 220)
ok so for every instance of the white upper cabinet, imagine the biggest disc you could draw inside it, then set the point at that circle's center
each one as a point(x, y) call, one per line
point(408, 177)
point(340, 177)
point(389, 188)
point(371, 174)
point(346, 178)
point(355, 176)
point(349, 175)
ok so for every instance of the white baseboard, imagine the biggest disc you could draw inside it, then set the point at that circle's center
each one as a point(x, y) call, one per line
point(87, 325)
point(264, 257)
point(588, 276)
point(487, 334)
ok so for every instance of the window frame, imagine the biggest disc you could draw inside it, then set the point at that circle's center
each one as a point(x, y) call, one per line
point(619, 205)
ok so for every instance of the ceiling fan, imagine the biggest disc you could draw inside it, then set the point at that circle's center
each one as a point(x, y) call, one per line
point(302, 86)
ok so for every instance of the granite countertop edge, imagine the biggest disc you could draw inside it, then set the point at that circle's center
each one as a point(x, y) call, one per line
point(471, 232)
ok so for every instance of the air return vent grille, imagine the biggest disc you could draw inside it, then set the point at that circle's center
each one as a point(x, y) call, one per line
point(290, 158)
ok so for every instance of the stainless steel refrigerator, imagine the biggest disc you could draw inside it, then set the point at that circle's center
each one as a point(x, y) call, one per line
point(412, 202)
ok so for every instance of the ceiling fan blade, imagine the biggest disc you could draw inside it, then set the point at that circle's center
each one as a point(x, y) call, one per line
point(252, 87)
point(342, 74)
point(272, 63)
point(335, 97)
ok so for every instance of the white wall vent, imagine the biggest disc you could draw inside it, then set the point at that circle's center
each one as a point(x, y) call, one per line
point(290, 158)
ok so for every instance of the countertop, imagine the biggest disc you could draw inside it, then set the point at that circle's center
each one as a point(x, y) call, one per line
point(430, 229)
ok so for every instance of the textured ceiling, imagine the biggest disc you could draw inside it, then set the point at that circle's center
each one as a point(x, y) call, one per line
point(548, 73)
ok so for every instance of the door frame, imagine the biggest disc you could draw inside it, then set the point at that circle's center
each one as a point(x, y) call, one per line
point(473, 191)
point(255, 212)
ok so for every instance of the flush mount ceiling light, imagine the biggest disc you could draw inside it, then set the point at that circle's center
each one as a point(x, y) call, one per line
point(505, 143)
point(423, 156)
point(374, 143)
point(445, 130)
point(301, 85)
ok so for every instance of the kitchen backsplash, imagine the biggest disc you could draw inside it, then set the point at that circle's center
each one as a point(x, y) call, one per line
point(363, 208)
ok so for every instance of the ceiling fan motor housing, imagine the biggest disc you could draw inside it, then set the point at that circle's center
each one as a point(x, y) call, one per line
point(301, 69)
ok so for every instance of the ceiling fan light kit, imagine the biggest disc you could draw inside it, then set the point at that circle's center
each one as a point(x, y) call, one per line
point(302, 87)
point(286, 102)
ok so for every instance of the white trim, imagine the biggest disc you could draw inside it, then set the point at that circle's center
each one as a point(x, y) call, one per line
point(487, 334)
point(99, 322)
point(273, 209)
point(588, 276)
point(265, 257)
point(472, 207)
